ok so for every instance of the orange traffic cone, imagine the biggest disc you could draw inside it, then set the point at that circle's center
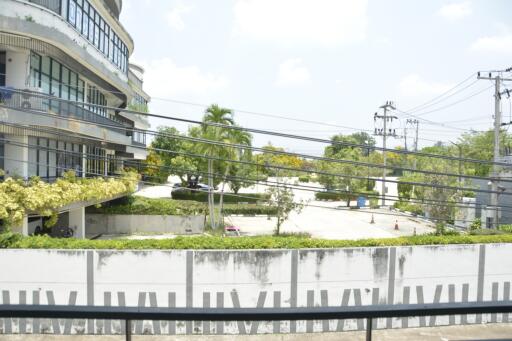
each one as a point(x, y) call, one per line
point(396, 224)
point(372, 221)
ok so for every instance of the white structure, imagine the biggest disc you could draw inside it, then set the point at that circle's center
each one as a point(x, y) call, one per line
point(58, 59)
point(253, 278)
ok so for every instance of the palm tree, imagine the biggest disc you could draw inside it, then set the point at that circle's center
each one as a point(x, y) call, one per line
point(222, 116)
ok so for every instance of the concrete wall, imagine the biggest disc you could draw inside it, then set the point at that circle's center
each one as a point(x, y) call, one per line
point(124, 224)
point(255, 278)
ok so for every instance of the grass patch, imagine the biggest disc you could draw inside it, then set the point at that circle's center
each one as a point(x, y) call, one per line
point(16, 241)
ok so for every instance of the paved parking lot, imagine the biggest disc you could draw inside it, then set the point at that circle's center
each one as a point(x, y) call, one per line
point(322, 219)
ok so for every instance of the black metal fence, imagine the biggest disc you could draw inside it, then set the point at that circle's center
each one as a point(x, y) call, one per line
point(34, 101)
point(368, 313)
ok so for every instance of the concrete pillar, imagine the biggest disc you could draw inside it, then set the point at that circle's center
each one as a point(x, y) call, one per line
point(17, 69)
point(16, 156)
point(22, 227)
point(77, 222)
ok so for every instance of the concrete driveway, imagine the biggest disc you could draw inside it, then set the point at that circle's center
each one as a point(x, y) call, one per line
point(333, 220)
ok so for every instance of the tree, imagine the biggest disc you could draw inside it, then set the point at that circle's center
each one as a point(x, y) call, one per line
point(217, 115)
point(267, 159)
point(282, 199)
point(349, 178)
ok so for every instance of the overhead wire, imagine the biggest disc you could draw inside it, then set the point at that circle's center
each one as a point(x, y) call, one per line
point(264, 132)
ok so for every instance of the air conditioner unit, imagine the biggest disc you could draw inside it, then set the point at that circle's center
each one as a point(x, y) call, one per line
point(31, 99)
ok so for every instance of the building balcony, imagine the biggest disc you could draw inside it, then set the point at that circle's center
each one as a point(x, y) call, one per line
point(36, 26)
point(52, 5)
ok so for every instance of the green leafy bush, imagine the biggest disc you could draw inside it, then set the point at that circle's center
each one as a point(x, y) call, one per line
point(251, 209)
point(409, 207)
point(486, 232)
point(18, 198)
point(148, 206)
point(259, 242)
point(329, 196)
point(304, 178)
point(506, 228)
point(185, 194)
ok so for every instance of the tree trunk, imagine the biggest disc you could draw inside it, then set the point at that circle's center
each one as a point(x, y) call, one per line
point(221, 199)
point(210, 194)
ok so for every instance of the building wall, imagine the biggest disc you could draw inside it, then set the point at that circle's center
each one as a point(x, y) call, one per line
point(127, 224)
point(16, 69)
point(253, 278)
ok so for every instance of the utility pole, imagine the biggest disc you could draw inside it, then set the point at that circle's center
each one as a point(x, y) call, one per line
point(497, 78)
point(414, 122)
point(385, 132)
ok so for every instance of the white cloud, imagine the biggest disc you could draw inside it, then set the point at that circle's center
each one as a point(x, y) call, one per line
point(302, 22)
point(501, 44)
point(292, 72)
point(163, 78)
point(414, 86)
point(455, 11)
point(175, 16)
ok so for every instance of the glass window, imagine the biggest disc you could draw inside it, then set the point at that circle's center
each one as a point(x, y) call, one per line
point(32, 156)
point(52, 159)
point(46, 65)
point(79, 19)
point(85, 27)
point(72, 12)
point(45, 83)
point(43, 155)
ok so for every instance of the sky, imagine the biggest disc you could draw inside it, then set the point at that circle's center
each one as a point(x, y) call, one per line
point(334, 62)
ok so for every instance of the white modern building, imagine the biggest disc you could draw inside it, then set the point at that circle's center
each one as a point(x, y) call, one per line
point(59, 58)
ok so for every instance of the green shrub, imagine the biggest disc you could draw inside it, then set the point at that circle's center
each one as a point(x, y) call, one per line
point(409, 207)
point(148, 206)
point(328, 196)
point(304, 178)
point(506, 228)
point(251, 209)
point(185, 194)
point(475, 225)
point(259, 242)
point(486, 232)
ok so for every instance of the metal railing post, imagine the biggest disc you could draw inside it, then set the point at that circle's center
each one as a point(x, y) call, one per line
point(369, 329)
point(128, 330)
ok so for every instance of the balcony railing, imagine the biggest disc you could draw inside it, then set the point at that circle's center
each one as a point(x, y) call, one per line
point(369, 313)
point(52, 5)
point(32, 101)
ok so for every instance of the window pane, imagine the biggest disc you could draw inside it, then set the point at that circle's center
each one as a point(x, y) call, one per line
point(72, 12)
point(79, 19)
point(52, 159)
point(32, 156)
point(55, 70)
point(46, 65)
point(43, 164)
point(45, 84)
point(85, 27)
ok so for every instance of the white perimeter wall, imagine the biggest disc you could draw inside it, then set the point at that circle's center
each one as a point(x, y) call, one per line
point(263, 278)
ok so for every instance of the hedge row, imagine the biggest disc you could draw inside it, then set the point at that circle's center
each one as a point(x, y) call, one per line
point(335, 196)
point(148, 206)
point(16, 241)
point(185, 194)
point(409, 207)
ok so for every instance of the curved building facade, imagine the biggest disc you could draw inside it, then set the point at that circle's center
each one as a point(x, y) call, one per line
point(64, 76)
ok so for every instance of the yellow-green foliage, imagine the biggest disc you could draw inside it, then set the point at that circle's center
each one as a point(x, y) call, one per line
point(17, 197)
